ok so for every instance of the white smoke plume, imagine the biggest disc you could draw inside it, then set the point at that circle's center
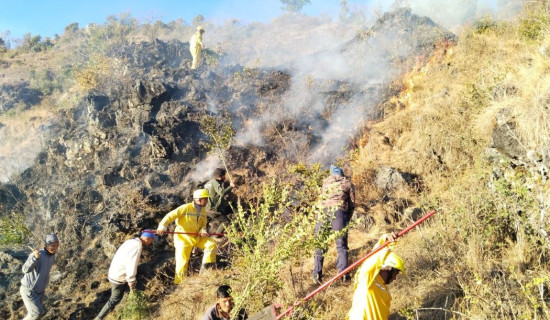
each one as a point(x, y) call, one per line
point(204, 169)
point(311, 49)
point(19, 146)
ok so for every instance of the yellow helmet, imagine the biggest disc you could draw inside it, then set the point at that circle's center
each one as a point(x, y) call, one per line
point(200, 193)
point(394, 261)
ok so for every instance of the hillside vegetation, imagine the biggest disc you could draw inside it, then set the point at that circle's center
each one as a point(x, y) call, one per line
point(473, 124)
point(464, 130)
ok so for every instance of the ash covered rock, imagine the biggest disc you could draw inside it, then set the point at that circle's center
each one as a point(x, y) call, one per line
point(410, 34)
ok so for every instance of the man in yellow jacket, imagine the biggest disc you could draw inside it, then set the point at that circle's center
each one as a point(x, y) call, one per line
point(190, 218)
point(372, 298)
point(195, 46)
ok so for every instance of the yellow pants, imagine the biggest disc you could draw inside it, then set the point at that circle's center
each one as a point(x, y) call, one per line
point(196, 54)
point(184, 246)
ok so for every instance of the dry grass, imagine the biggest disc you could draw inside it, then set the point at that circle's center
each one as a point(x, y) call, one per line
point(472, 260)
point(478, 257)
point(190, 300)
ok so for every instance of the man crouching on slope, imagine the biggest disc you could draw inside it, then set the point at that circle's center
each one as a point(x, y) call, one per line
point(123, 269)
point(372, 298)
point(191, 224)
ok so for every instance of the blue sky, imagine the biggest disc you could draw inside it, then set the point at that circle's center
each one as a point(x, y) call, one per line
point(48, 17)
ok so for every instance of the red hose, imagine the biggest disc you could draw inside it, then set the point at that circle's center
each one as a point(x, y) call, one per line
point(352, 266)
point(188, 233)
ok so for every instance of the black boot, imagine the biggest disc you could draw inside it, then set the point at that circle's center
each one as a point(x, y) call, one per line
point(206, 266)
point(316, 278)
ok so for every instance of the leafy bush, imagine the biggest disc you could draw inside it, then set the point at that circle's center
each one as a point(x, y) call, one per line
point(34, 44)
point(93, 73)
point(136, 306)
point(272, 239)
point(3, 46)
point(43, 80)
point(13, 229)
point(211, 57)
point(533, 26)
point(220, 132)
point(485, 24)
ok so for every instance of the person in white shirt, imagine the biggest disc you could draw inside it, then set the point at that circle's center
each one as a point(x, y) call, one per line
point(123, 269)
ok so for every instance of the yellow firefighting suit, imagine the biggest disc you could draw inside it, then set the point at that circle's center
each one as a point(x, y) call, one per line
point(189, 221)
point(371, 298)
point(195, 46)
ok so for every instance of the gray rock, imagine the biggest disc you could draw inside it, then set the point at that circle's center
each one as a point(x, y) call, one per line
point(388, 178)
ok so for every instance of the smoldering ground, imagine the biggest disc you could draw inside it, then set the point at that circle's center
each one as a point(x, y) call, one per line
point(312, 49)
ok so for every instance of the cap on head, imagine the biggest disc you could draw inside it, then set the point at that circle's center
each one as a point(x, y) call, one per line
point(219, 172)
point(200, 28)
point(51, 238)
point(148, 234)
point(393, 261)
point(200, 193)
point(337, 171)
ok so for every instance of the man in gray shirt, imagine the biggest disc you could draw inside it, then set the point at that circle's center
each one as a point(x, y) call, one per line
point(37, 276)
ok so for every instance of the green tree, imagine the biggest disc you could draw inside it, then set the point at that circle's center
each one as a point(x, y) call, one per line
point(152, 30)
point(198, 20)
point(344, 10)
point(71, 28)
point(30, 43)
point(294, 6)
point(3, 47)
point(220, 132)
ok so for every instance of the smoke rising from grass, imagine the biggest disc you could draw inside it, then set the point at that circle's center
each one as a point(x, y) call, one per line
point(325, 60)
point(319, 50)
point(325, 57)
point(204, 169)
point(19, 146)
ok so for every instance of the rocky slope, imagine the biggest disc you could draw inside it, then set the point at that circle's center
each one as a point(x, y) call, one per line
point(123, 156)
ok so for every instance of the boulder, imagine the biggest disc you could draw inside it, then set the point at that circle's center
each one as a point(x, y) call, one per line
point(388, 178)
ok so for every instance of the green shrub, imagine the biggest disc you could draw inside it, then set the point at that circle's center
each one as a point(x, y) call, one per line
point(136, 306)
point(35, 44)
point(43, 80)
point(220, 132)
point(533, 26)
point(13, 229)
point(272, 239)
point(485, 24)
point(211, 57)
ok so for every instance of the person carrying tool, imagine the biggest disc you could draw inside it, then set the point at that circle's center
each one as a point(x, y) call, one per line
point(123, 269)
point(195, 46)
point(338, 201)
point(37, 276)
point(219, 191)
point(190, 218)
point(370, 301)
point(372, 298)
point(224, 305)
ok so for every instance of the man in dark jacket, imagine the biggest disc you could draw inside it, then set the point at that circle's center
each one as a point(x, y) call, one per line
point(37, 276)
point(338, 201)
point(218, 203)
point(224, 305)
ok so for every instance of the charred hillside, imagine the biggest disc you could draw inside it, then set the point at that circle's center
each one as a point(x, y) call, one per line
point(133, 147)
